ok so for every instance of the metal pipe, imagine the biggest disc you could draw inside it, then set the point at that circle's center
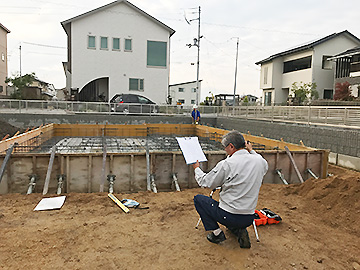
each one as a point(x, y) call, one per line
point(111, 179)
point(6, 159)
point(148, 182)
point(311, 173)
point(153, 185)
point(32, 184)
point(61, 179)
point(175, 181)
point(256, 233)
point(278, 171)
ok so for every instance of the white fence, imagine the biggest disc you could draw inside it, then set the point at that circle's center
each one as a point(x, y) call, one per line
point(339, 116)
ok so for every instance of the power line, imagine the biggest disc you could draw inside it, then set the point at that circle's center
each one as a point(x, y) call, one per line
point(44, 45)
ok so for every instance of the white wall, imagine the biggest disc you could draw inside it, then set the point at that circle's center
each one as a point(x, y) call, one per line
point(3, 64)
point(187, 95)
point(120, 22)
point(322, 77)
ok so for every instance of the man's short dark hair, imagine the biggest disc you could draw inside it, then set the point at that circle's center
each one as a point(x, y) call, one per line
point(234, 137)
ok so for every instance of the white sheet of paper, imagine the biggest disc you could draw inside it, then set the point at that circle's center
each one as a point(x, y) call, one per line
point(50, 203)
point(191, 149)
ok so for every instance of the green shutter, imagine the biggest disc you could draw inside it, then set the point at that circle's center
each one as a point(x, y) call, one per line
point(156, 53)
point(128, 45)
point(91, 42)
point(104, 43)
point(116, 44)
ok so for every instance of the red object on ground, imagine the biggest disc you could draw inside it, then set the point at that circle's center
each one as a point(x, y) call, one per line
point(262, 220)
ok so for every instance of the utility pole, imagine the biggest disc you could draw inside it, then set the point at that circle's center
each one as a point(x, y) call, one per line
point(197, 44)
point(20, 59)
point(237, 53)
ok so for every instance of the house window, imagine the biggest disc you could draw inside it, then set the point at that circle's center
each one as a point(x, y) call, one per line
point(193, 101)
point(156, 53)
point(116, 44)
point(298, 64)
point(136, 84)
point(181, 90)
point(104, 43)
point(128, 44)
point(328, 94)
point(1, 88)
point(181, 101)
point(326, 64)
point(267, 98)
point(91, 42)
point(3, 57)
point(266, 69)
point(193, 90)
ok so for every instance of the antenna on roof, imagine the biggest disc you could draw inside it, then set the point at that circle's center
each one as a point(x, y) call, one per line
point(185, 18)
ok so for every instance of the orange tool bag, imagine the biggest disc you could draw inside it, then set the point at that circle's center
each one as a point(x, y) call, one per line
point(266, 216)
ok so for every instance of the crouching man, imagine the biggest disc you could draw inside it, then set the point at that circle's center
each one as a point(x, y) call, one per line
point(240, 176)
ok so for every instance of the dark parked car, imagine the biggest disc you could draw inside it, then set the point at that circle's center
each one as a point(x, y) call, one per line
point(132, 103)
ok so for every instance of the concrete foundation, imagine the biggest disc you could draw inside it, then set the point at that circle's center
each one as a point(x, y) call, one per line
point(85, 170)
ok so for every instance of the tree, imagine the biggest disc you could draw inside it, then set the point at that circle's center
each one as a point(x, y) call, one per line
point(304, 92)
point(343, 92)
point(19, 83)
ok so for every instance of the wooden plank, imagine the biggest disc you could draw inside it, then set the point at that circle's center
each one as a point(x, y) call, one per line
point(294, 164)
point(48, 174)
point(116, 200)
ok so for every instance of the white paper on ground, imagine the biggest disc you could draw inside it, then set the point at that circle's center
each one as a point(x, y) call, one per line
point(50, 203)
point(191, 149)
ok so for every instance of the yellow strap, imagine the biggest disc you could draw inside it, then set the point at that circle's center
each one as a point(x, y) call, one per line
point(123, 207)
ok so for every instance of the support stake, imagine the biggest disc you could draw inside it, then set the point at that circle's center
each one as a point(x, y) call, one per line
point(48, 174)
point(111, 179)
point(294, 164)
point(61, 179)
point(311, 173)
point(6, 160)
point(32, 183)
point(175, 181)
point(278, 171)
point(153, 185)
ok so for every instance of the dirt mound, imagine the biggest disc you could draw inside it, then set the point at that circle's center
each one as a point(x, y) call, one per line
point(319, 230)
point(6, 128)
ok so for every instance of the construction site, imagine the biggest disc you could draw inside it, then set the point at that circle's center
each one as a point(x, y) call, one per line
point(319, 203)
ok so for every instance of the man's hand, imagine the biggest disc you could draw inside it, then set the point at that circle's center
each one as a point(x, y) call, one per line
point(196, 165)
point(248, 146)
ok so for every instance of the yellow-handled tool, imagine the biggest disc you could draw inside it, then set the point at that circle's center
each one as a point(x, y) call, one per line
point(116, 200)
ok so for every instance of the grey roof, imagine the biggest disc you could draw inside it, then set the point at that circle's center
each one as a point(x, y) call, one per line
point(184, 83)
point(350, 52)
point(63, 23)
point(3, 27)
point(308, 46)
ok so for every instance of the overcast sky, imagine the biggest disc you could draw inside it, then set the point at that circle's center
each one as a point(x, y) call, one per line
point(263, 28)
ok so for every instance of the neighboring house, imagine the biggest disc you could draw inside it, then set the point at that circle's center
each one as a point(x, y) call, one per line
point(183, 93)
point(39, 89)
point(3, 59)
point(306, 63)
point(117, 48)
point(348, 69)
point(250, 98)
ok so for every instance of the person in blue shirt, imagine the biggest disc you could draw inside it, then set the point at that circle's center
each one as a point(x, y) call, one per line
point(195, 114)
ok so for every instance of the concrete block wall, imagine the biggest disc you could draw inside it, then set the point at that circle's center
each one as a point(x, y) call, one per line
point(339, 140)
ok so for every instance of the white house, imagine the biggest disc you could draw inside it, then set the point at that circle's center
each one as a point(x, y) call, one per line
point(307, 63)
point(348, 69)
point(3, 61)
point(184, 93)
point(117, 48)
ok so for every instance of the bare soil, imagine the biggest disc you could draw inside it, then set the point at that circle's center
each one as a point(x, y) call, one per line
point(320, 230)
point(6, 128)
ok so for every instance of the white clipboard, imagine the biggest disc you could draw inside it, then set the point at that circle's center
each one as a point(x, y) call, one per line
point(191, 149)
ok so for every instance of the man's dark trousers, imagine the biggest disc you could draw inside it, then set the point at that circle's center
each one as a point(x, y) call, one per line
point(211, 215)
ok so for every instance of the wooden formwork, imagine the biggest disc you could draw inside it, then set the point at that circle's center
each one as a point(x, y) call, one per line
point(83, 172)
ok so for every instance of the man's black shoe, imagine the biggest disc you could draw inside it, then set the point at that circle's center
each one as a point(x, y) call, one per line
point(216, 239)
point(244, 239)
